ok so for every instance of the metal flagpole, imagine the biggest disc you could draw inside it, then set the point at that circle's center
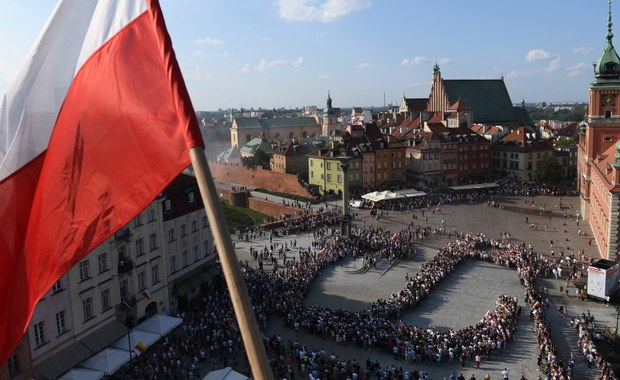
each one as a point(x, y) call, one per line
point(246, 319)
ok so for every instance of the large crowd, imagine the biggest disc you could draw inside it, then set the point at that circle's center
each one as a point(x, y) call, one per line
point(209, 337)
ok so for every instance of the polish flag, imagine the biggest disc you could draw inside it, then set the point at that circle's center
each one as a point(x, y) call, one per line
point(96, 125)
point(146, 293)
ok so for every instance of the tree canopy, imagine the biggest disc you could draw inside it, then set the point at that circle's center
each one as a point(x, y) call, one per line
point(548, 170)
point(259, 158)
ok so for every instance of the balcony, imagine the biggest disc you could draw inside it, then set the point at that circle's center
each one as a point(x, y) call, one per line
point(125, 266)
point(122, 234)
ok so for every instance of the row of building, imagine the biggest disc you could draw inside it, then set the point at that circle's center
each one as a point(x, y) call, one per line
point(466, 131)
point(156, 264)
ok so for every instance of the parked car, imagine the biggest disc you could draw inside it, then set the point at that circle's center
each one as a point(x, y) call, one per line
point(356, 203)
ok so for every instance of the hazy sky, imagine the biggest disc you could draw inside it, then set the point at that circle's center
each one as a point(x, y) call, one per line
point(290, 53)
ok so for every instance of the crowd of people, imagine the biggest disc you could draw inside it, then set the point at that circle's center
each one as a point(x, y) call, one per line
point(209, 336)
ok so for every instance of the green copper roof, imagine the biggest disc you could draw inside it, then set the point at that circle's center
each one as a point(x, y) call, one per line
point(488, 97)
point(328, 110)
point(608, 65)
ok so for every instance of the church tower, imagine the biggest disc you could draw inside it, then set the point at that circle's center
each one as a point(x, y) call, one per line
point(329, 118)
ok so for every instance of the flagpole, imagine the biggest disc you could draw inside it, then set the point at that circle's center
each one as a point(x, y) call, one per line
point(237, 288)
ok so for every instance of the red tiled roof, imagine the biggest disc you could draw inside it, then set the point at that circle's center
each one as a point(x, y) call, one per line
point(459, 105)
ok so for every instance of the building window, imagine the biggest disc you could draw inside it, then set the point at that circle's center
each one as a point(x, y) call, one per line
point(153, 241)
point(183, 229)
point(141, 280)
point(57, 287)
point(122, 255)
point(87, 308)
point(191, 197)
point(167, 204)
point(328, 165)
point(105, 300)
point(194, 225)
point(137, 221)
point(184, 258)
point(13, 365)
point(155, 274)
point(205, 222)
point(102, 260)
point(84, 270)
point(196, 254)
point(39, 334)
point(173, 264)
point(124, 288)
point(329, 177)
point(61, 323)
point(171, 235)
point(139, 247)
point(339, 178)
point(151, 215)
point(206, 248)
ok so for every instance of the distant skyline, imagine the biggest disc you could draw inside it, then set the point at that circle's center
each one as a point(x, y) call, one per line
point(290, 53)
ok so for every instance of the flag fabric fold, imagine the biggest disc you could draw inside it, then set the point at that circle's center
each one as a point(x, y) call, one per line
point(146, 293)
point(139, 349)
point(97, 124)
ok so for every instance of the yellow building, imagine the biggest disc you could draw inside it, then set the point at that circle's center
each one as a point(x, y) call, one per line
point(325, 171)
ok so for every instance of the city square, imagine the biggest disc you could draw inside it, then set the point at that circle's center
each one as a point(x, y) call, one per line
point(470, 291)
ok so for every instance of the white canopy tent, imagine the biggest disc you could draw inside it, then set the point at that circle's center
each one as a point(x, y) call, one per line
point(136, 336)
point(475, 186)
point(82, 374)
point(109, 360)
point(411, 193)
point(378, 196)
point(225, 374)
point(159, 324)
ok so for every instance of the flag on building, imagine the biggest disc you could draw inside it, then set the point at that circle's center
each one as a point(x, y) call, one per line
point(139, 348)
point(146, 293)
point(96, 125)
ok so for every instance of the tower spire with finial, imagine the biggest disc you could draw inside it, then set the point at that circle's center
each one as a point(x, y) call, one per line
point(607, 67)
point(610, 33)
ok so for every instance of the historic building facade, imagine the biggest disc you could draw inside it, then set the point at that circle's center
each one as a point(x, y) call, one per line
point(155, 264)
point(598, 164)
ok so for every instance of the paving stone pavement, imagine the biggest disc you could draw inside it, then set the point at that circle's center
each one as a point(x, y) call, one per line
point(462, 298)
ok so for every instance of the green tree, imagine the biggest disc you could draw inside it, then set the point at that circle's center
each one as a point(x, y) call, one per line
point(563, 143)
point(259, 158)
point(548, 170)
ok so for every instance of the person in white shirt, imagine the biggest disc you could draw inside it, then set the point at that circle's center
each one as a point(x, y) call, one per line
point(505, 374)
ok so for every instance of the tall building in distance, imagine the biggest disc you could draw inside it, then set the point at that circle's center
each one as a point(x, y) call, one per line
point(598, 164)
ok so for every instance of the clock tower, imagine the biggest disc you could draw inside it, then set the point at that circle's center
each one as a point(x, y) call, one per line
point(598, 163)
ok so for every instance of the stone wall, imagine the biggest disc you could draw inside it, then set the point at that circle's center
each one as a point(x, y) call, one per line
point(270, 208)
point(258, 178)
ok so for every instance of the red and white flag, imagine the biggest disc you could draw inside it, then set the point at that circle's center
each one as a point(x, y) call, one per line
point(96, 125)
point(146, 293)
